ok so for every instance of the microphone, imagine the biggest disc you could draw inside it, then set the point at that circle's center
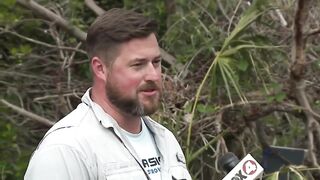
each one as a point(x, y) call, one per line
point(246, 169)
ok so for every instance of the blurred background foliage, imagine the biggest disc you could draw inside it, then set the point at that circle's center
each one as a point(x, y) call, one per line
point(230, 77)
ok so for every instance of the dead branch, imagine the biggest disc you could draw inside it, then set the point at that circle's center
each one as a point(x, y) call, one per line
point(313, 32)
point(94, 7)
point(270, 107)
point(297, 73)
point(283, 21)
point(26, 113)
point(51, 16)
point(43, 43)
point(253, 111)
point(233, 16)
point(223, 11)
point(75, 94)
point(170, 60)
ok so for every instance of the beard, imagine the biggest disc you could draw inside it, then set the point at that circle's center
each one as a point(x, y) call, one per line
point(132, 105)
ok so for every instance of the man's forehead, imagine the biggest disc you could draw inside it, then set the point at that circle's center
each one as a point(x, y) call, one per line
point(140, 48)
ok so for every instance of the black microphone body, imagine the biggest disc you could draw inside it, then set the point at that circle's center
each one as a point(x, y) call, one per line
point(227, 162)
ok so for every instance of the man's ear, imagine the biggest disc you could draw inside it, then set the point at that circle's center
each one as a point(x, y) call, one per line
point(99, 68)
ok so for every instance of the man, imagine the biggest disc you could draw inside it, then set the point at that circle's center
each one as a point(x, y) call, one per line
point(110, 134)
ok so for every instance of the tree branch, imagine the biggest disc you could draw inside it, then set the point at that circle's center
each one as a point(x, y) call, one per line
point(297, 73)
point(313, 32)
point(223, 11)
point(31, 115)
point(43, 43)
point(270, 107)
point(94, 7)
point(49, 15)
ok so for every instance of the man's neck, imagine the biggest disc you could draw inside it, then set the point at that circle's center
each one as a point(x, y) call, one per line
point(126, 121)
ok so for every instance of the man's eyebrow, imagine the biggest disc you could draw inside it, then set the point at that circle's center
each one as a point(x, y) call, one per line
point(144, 59)
point(158, 57)
point(139, 60)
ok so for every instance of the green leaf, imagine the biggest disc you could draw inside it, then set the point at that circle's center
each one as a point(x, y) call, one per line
point(276, 86)
point(202, 108)
point(197, 153)
point(298, 174)
point(236, 49)
point(280, 96)
point(258, 8)
point(242, 64)
point(273, 176)
point(8, 3)
point(270, 99)
point(229, 76)
point(222, 70)
point(21, 50)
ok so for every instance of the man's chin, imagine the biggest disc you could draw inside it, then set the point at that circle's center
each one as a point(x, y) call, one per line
point(150, 110)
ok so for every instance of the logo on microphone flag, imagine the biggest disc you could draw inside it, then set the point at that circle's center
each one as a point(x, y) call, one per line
point(249, 167)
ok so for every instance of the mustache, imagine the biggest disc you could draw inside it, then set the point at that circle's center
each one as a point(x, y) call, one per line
point(149, 86)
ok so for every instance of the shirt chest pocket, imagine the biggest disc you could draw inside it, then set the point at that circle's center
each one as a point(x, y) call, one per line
point(123, 170)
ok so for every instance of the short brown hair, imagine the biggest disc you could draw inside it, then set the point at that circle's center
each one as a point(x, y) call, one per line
point(114, 27)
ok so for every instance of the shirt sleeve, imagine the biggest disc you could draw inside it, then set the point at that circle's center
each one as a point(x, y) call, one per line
point(58, 162)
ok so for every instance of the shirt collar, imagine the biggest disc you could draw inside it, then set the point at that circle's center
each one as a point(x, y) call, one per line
point(153, 126)
point(105, 119)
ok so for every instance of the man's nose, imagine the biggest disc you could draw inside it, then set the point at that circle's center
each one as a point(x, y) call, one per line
point(153, 73)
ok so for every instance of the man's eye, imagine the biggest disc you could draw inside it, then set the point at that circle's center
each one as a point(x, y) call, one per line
point(137, 64)
point(157, 61)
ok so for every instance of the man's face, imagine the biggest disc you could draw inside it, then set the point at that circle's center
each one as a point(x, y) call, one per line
point(134, 79)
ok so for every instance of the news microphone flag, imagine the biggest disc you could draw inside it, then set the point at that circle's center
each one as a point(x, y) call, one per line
point(247, 169)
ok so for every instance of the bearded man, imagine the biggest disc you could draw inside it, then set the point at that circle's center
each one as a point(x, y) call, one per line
point(110, 134)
